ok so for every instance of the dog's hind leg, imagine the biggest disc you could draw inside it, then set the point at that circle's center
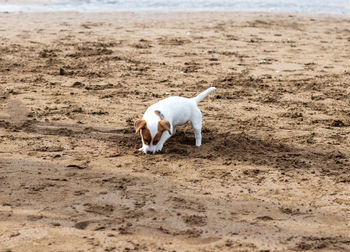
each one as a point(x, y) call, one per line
point(197, 126)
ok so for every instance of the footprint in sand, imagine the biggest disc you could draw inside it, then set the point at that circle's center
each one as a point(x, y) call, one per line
point(15, 113)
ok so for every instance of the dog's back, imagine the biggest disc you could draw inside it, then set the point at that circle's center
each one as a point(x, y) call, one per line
point(178, 110)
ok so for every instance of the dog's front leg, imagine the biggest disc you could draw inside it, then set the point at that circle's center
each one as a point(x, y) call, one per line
point(162, 141)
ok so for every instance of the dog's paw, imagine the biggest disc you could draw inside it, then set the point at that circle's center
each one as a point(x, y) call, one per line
point(159, 148)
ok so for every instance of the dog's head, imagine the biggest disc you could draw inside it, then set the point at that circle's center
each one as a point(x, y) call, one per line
point(151, 134)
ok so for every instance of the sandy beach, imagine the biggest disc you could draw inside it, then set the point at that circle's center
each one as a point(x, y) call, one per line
point(273, 173)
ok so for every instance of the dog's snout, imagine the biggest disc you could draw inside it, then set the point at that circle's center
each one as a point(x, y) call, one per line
point(149, 152)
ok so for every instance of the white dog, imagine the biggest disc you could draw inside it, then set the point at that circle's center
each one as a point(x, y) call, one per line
point(159, 121)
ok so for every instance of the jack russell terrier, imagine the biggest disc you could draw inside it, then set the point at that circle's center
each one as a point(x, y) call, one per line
point(159, 121)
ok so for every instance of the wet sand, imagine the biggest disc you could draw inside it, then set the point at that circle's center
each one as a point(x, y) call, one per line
point(273, 172)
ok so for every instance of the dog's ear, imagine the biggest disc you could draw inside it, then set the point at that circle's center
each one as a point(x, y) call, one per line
point(140, 124)
point(164, 125)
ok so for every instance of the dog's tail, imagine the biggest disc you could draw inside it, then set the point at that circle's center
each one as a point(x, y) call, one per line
point(202, 95)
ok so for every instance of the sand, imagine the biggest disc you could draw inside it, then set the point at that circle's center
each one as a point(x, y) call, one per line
point(273, 173)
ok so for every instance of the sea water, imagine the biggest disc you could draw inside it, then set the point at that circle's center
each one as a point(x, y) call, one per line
point(309, 6)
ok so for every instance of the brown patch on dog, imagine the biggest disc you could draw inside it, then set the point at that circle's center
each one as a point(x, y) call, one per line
point(164, 125)
point(157, 138)
point(146, 136)
point(139, 124)
point(159, 114)
point(145, 133)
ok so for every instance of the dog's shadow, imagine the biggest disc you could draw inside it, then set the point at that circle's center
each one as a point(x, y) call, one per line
point(242, 147)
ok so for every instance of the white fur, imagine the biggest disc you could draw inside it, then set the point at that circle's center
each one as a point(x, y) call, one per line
point(177, 111)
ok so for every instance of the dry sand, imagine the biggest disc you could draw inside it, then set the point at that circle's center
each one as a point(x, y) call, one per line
point(273, 171)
